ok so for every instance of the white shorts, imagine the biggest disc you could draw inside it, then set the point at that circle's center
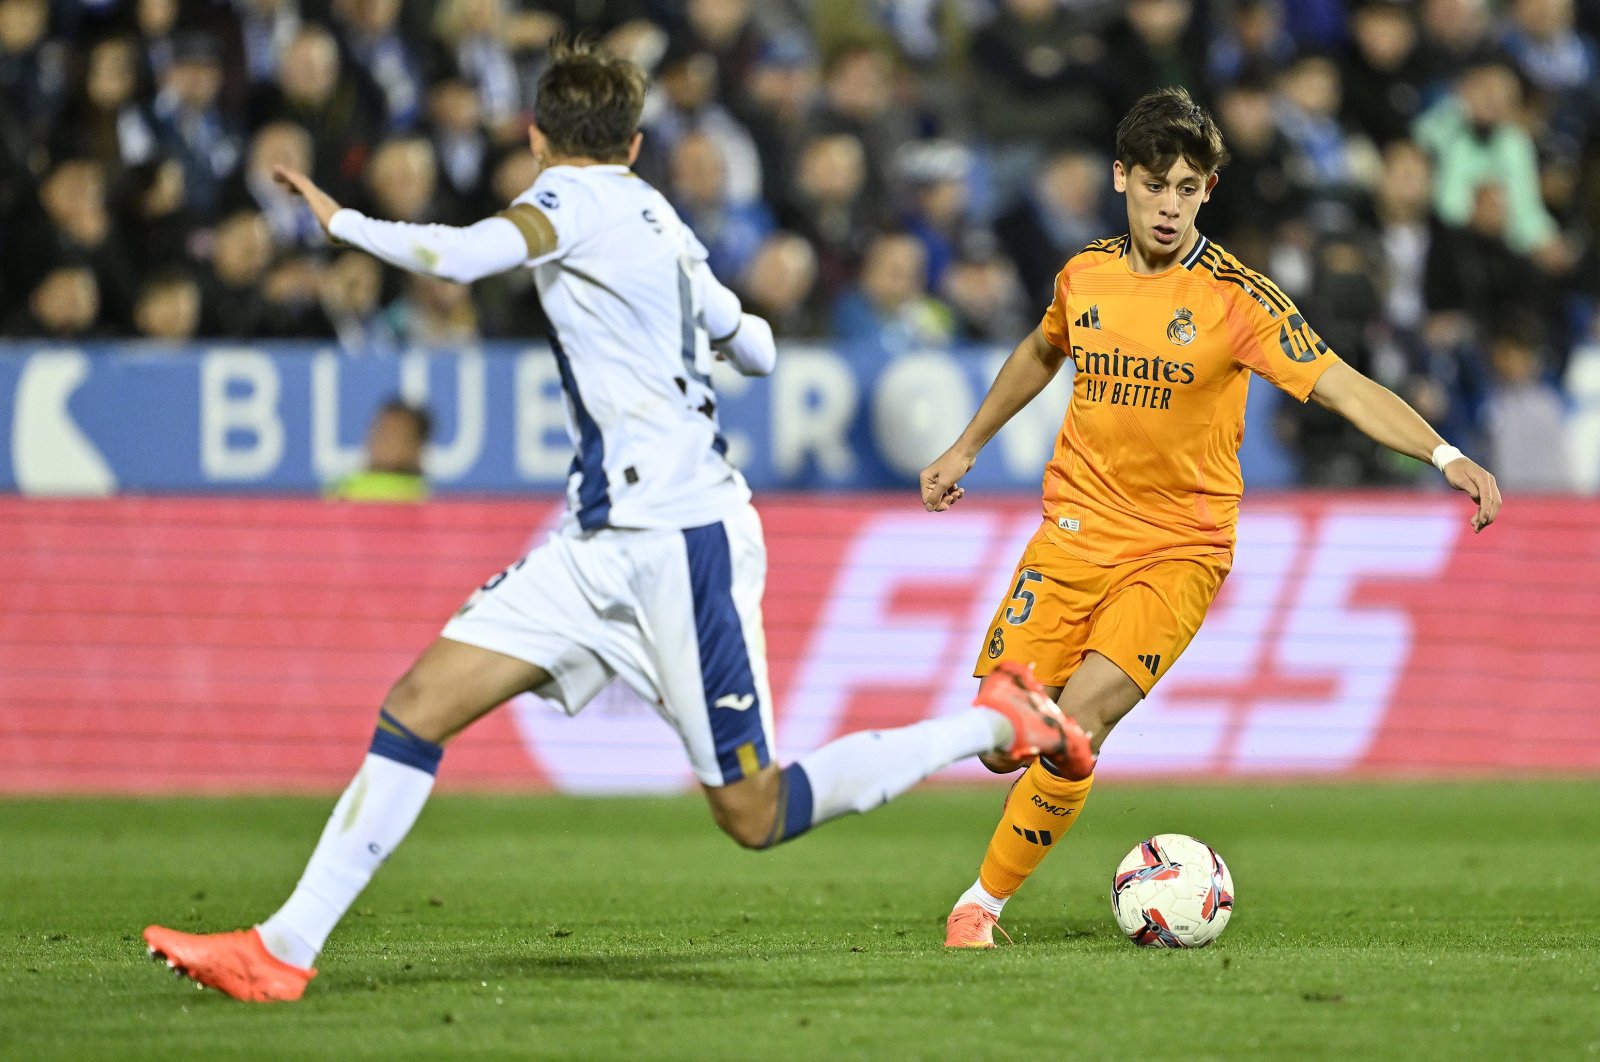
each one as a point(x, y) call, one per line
point(675, 614)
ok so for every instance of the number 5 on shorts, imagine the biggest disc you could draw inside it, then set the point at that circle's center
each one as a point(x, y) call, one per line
point(1023, 594)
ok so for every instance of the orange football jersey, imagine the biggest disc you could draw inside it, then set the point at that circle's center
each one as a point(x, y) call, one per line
point(1147, 463)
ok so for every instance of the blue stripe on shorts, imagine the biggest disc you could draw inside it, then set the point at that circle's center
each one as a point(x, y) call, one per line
point(732, 701)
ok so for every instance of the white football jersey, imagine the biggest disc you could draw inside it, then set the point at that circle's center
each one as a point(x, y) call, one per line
point(624, 291)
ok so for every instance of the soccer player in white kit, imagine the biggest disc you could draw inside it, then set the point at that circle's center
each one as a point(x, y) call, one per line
point(655, 575)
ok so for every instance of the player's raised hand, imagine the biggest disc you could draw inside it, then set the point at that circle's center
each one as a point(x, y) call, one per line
point(321, 203)
point(1475, 482)
point(941, 486)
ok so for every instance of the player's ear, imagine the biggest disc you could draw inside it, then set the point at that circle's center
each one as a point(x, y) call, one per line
point(1119, 176)
point(1211, 183)
point(633, 147)
point(536, 142)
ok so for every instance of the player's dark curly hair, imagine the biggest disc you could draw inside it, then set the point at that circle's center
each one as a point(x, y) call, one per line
point(1166, 125)
point(588, 102)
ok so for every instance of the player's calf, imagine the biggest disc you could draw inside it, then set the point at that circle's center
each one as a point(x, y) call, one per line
point(746, 810)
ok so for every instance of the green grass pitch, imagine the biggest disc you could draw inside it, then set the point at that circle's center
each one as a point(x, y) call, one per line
point(1374, 920)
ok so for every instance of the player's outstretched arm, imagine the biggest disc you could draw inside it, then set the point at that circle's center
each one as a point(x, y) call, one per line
point(1386, 418)
point(490, 246)
point(1025, 373)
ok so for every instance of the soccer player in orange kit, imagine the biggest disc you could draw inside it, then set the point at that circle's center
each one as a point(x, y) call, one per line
point(1141, 497)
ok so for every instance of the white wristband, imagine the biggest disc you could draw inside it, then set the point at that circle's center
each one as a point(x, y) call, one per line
point(1443, 454)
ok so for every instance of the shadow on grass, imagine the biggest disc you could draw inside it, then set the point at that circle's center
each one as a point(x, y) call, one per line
point(902, 962)
point(715, 971)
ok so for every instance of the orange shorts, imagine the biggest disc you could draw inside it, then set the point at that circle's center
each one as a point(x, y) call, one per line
point(1141, 615)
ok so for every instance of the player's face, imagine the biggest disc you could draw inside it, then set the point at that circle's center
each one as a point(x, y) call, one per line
point(1162, 206)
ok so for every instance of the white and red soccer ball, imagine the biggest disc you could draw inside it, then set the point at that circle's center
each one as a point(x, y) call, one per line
point(1172, 891)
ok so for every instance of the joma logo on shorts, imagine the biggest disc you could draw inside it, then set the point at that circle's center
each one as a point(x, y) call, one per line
point(1051, 809)
point(736, 702)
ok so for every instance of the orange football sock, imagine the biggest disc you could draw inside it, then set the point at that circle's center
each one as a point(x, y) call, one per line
point(1039, 811)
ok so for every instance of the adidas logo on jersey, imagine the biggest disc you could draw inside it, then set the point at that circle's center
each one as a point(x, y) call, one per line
point(1151, 661)
point(1090, 318)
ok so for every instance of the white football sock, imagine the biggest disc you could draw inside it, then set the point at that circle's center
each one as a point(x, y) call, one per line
point(982, 897)
point(369, 821)
point(861, 771)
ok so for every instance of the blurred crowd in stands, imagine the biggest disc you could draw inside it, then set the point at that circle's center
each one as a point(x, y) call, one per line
point(1423, 177)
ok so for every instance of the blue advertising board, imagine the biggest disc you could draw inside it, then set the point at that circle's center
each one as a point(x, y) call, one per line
point(104, 418)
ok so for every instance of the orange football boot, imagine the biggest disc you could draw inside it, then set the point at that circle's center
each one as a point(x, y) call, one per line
point(1040, 728)
point(236, 963)
point(971, 925)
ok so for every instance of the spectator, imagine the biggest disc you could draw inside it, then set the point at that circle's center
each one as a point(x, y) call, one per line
point(396, 441)
point(891, 310)
point(731, 231)
point(291, 298)
point(1525, 417)
point(106, 121)
point(473, 44)
point(1343, 300)
point(33, 67)
point(1561, 64)
point(1257, 193)
point(930, 35)
point(154, 216)
point(780, 285)
point(935, 174)
point(64, 305)
point(351, 291)
point(1065, 210)
point(313, 92)
point(1036, 64)
point(455, 126)
point(156, 22)
point(686, 103)
point(72, 224)
point(1332, 167)
point(240, 254)
point(403, 181)
point(265, 28)
point(286, 144)
point(858, 100)
point(984, 291)
point(830, 207)
point(513, 173)
point(780, 98)
point(1473, 272)
point(168, 309)
point(1408, 232)
point(1454, 33)
point(1152, 48)
point(727, 30)
point(1382, 71)
point(191, 124)
point(369, 31)
point(1253, 37)
point(1474, 137)
point(434, 314)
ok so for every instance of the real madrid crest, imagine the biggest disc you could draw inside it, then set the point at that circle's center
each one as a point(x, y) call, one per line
point(1181, 328)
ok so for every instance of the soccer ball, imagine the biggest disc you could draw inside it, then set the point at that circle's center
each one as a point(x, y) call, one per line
point(1172, 891)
